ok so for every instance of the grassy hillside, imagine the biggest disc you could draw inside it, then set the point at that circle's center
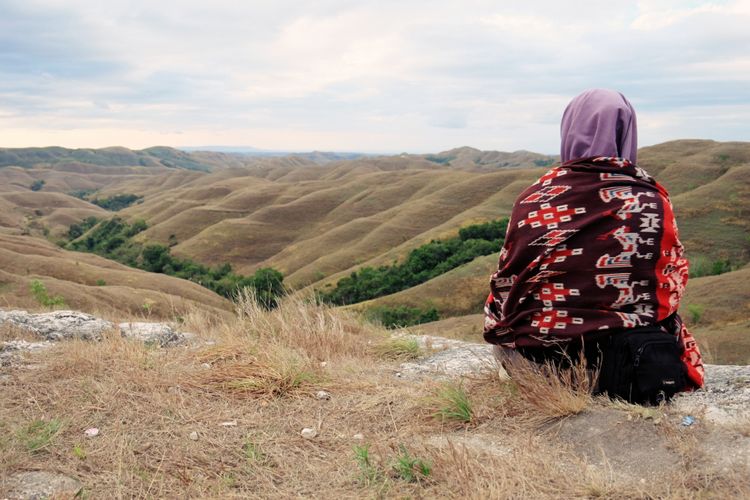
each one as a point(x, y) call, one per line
point(90, 283)
point(317, 223)
point(352, 214)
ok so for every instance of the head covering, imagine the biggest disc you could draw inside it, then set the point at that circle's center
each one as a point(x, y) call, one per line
point(598, 122)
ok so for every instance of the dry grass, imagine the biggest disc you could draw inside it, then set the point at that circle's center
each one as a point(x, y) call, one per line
point(553, 391)
point(247, 388)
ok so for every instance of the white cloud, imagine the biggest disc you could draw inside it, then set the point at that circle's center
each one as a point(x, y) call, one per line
point(374, 75)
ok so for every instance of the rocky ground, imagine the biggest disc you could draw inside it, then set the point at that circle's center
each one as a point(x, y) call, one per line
point(619, 440)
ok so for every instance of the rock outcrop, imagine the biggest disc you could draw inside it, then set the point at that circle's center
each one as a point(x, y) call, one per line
point(65, 325)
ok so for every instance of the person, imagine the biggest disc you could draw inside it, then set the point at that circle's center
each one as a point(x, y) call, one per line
point(592, 255)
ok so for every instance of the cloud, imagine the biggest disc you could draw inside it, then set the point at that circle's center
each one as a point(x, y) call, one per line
point(385, 75)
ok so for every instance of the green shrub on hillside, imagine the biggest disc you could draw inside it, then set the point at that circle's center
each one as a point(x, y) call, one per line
point(402, 316)
point(113, 239)
point(702, 266)
point(77, 230)
point(116, 202)
point(422, 264)
point(37, 185)
point(39, 291)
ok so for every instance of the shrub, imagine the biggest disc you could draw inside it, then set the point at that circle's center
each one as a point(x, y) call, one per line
point(113, 239)
point(402, 316)
point(116, 202)
point(422, 264)
point(39, 291)
point(696, 312)
point(37, 185)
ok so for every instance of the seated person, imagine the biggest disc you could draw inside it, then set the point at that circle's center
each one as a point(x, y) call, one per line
point(592, 254)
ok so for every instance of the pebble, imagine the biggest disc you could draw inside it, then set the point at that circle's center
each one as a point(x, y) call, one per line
point(309, 433)
point(230, 423)
point(323, 364)
point(323, 395)
point(206, 366)
point(358, 437)
point(193, 436)
point(92, 432)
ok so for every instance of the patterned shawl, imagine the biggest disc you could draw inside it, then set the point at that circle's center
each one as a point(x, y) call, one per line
point(591, 245)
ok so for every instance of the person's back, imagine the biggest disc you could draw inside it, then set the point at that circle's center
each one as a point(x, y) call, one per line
point(592, 255)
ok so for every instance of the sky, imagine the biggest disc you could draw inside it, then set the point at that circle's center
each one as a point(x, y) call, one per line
point(367, 75)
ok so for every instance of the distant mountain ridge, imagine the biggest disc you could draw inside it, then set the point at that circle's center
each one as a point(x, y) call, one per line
point(157, 156)
point(208, 160)
point(468, 157)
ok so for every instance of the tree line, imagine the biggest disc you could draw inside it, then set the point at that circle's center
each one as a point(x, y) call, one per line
point(113, 239)
point(422, 264)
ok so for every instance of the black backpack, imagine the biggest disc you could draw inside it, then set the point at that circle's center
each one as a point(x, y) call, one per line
point(642, 366)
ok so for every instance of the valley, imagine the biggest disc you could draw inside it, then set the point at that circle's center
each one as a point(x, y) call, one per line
point(318, 219)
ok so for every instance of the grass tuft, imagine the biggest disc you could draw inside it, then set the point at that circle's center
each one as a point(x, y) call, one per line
point(409, 468)
point(39, 434)
point(253, 453)
point(453, 404)
point(398, 348)
point(368, 472)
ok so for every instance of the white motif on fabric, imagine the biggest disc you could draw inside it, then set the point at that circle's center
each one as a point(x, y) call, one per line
point(620, 162)
point(675, 275)
point(631, 320)
point(650, 223)
point(543, 276)
point(554, 237)
point(550, 216)
point(503, 253)
point(504, 281)
point(641, 173)
point(629, 242)
point(558, 255)
point(547, 178)
point(625, 287)
point(605, 176)
point(644, 310)
point(631, 202)
point(553, 319)
point(555, 292)
point(545, 194)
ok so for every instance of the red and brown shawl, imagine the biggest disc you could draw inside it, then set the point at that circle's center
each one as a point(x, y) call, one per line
point(591, 245)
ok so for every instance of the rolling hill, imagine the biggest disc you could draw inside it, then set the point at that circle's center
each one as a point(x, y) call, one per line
point(320, 221)
point(90, 283)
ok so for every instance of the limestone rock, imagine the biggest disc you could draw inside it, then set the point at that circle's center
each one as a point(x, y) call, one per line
point(58, 325)
point(11, 351)
point(38, 485)
point(454, 358)
point(151, 333)
point(64, 325)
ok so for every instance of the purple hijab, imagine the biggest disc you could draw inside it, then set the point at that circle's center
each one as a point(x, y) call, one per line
point(598, 122)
